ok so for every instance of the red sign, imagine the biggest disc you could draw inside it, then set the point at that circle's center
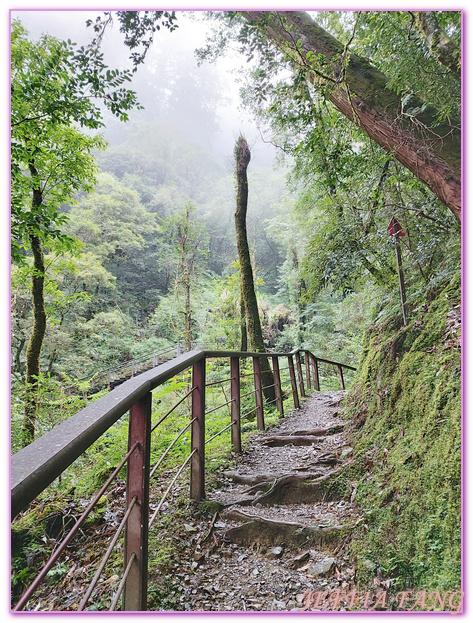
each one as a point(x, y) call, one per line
point(395, 228)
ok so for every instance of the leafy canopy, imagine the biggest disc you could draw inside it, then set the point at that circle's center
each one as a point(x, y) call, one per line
point(57, 94)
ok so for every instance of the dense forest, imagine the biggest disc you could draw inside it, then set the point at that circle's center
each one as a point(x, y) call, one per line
point(123, 200)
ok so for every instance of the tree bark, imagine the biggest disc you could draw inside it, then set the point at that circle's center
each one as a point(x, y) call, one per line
point(35, 343)
point(408, 131)
point(441, 47)
point(184, 234)
point(248, 293)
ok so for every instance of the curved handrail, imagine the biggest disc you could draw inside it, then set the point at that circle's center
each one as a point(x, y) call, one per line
point(37, 465)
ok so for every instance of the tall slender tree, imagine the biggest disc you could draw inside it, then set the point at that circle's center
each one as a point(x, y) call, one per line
point(53, 88)
point(248, 293)
point(191, 245)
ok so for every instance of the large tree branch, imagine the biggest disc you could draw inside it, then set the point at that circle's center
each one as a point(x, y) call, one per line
point(439, 43)
point(408, 131)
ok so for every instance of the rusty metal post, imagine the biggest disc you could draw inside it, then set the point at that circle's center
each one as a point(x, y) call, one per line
point(292, 374)
point(235, 407)
point(307, 370)
point(277, 385)
point(315, 368)
point(136, 535)
point(340, 374)
point(299, 374)
point(258, 393)
point(197, 491)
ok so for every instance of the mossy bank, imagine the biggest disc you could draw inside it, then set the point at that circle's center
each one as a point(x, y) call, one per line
point(406, 434)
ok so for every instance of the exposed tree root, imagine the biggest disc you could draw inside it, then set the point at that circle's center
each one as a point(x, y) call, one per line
point(270, 532)
point(300, 489)
point(291, 489)
point(249, 479)
point(319, 432)
point(266, 484)
point(293, 440)
point(260, 481)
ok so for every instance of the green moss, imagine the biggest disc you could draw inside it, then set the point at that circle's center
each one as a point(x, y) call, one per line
point(407, 406)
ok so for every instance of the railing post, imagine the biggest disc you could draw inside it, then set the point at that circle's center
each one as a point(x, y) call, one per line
point(197, 491)
point(258, 393)
point(136, 536)
point(315, 367)
point(307, 370)
point(340, 374)
point(235, 406)
point(299, 374)
point(292, 374)
point(277, 385)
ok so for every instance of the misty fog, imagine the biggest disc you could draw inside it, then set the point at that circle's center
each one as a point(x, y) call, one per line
point(200, 102)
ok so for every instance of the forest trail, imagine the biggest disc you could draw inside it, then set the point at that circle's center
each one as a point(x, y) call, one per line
point(281, 533)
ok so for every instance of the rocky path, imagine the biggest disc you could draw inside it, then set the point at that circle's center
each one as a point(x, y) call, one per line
point(280, 535)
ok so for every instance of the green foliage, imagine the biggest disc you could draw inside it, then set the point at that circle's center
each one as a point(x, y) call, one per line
point(406, 405)
point(138, 28)
point(54, 405)
point(394, 43)
point(351, 189)
point(49, 153)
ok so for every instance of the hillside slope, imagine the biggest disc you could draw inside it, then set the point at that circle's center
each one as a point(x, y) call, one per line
point(406, 434)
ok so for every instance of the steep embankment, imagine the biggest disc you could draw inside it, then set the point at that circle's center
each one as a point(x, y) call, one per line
point(406, 410)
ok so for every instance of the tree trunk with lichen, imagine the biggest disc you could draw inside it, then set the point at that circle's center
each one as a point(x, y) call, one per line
point(439, 43)
point(408, 130)
point(248, 293)
point(243, 331)
point(35, 343)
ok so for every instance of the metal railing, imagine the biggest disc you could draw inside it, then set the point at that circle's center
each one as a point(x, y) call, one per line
point(37, 465)
point(112, 376)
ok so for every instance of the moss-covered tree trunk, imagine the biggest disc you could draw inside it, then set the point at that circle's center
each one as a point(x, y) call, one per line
point(407, 130)
point(243, 331)
point(35, 343)
point(439, 43)
point(248, 293)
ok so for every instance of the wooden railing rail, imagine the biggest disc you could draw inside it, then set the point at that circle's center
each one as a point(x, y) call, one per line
point(37, 465)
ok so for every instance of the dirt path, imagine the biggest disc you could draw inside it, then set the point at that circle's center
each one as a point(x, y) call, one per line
point(280, 534)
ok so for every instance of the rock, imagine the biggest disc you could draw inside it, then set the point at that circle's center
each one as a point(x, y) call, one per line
point(323, 567)
point(274, 553)
point(298, 560)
